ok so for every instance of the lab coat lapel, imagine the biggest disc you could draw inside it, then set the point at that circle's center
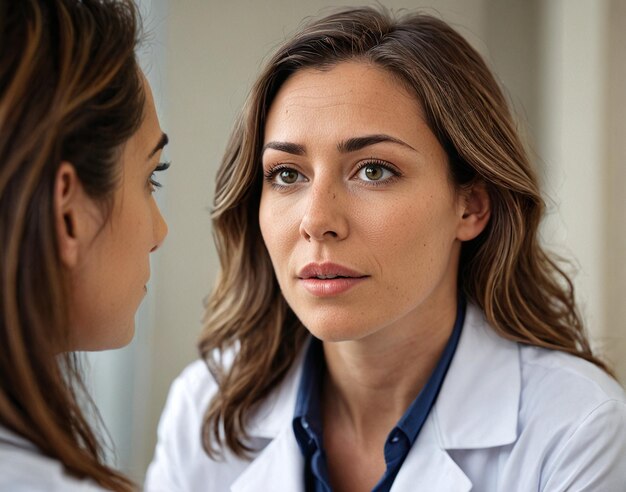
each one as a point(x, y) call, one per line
point(428, 467)
point(279, 467)
point(477, 407)
point(478, 403)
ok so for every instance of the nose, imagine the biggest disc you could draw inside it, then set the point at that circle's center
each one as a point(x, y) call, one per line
point(159, 227)
point(325, 217)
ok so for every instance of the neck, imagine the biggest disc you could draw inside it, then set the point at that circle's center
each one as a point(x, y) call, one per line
point(371, 382)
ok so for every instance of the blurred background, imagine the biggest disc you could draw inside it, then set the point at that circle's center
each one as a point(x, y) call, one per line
point(563, 65)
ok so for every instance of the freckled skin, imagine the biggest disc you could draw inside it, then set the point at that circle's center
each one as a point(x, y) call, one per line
point(335, 214)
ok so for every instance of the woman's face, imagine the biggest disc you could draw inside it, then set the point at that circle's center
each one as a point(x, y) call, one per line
point(357, 210)
point(109, 281)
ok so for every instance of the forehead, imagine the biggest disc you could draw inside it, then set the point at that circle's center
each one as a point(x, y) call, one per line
point(357, 95)
point(149, 131)
point(150, 126)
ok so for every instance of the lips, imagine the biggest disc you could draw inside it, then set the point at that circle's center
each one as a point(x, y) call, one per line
point(327, 270)
point(328, 279)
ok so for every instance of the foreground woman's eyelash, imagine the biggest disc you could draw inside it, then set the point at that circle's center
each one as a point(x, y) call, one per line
point(162, 166)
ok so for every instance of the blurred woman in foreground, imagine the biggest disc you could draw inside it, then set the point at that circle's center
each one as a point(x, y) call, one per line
point(79, 144)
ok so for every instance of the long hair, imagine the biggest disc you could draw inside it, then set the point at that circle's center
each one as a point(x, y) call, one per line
point(524, 294)
point(70, 90)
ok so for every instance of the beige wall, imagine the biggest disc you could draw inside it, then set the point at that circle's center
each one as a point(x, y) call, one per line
point(571, 141)
point(582, 144)
point(614, 248)
point(212, 52)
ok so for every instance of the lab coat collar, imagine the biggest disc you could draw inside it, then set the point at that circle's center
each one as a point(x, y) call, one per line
point(429, 467)
point(275, 413)
point(279, 466)
point(478, 403)
point(476, 408)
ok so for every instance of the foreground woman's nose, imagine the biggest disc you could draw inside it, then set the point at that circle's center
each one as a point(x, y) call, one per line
point(160, 229)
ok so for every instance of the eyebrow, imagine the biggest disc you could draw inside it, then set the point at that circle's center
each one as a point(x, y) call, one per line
point(288, 147)
point(161, 143)
point(358, 143)
point(347, 146)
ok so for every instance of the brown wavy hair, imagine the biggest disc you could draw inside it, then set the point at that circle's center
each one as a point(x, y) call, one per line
point(525, 295)
point(70, 90)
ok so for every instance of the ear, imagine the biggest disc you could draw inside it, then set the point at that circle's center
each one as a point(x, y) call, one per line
point(69, 207)
point(475, 210)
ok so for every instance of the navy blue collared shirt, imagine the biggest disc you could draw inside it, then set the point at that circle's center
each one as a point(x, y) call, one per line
point(307, 421)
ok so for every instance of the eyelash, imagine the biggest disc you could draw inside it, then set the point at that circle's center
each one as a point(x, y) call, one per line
point(385, 165)
point(271, 173)
point(162, 166)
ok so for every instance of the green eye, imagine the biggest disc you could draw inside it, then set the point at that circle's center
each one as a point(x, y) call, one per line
point(288, 176)
point(374, 173)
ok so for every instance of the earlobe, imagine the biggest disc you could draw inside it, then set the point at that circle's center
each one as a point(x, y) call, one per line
point(475, 213)
point(67, 191)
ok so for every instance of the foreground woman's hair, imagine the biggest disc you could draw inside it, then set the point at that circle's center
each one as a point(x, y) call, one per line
point(70, 90)
point(526, 297)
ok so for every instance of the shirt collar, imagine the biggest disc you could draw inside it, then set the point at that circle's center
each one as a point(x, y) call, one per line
point(413, 419)
point(307, 418)
point(309, 389)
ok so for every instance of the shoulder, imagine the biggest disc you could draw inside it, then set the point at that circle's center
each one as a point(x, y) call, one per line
point(556, 416)
point(192, 391)
point(193, 388)
point(549, 381)
point(187, 401)
point(565, 386)
point(574, 415)
point(180, 462)
point(559, 387)
point(24, 469)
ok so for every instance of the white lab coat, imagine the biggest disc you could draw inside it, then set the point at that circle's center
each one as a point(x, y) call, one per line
point(24, 469)
point(509, 418)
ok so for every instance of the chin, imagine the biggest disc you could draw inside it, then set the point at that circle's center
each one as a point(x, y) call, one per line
point(110, 339)
point(125, 337)
point(338, 330)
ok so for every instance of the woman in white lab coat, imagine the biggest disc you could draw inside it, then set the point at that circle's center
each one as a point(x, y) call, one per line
point(79, 144)
point(385, 317)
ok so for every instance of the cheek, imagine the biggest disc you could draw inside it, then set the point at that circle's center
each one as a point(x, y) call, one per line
point(416, 238)
point(264, 216)
point(279, 227)
point(139, 222)
point(266, 226)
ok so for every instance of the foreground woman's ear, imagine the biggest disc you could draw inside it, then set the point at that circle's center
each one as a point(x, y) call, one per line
point(475, 209)
point(72, 206)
